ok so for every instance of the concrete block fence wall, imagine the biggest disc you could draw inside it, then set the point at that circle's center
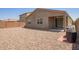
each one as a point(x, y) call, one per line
point(9, 24)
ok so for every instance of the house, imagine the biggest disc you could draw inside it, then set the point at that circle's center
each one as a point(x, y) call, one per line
point(47, 19)
point(23, 16)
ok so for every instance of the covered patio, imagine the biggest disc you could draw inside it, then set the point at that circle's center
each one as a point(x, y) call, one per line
point(56, 22)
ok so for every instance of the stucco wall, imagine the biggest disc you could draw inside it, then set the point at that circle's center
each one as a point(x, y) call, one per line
point(36, 15)
point(77, 28)
point(70, 21)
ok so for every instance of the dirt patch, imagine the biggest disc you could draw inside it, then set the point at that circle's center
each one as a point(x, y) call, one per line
point(25, 39)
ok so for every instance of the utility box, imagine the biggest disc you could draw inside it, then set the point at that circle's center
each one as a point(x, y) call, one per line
point(71, 34)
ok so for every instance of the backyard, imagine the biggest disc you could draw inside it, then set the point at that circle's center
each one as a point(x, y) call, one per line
point(31, 39)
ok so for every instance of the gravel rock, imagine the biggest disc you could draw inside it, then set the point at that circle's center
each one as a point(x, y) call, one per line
point(31, 39)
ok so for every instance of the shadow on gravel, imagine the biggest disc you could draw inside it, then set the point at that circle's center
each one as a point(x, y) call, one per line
point(42, 29)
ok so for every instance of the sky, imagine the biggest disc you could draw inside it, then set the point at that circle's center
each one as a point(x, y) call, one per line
point(13, 13)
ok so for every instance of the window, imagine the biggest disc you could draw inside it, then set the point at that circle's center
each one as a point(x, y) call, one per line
point(29, 21)
point(39, 21)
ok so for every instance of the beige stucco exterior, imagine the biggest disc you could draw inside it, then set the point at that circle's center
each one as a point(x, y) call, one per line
point(77, 29)
point(45, 15)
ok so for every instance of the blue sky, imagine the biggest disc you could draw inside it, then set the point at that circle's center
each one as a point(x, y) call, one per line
point(13, 13)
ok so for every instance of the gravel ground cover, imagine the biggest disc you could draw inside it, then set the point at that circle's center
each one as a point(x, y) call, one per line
point(31, 39)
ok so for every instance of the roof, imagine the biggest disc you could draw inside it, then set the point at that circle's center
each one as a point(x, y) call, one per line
point(25, 13)
point(48, 10)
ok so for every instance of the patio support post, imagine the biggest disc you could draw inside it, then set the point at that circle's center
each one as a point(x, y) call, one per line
point(64, 23)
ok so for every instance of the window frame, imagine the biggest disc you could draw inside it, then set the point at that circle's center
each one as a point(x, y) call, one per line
point(39, 21)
